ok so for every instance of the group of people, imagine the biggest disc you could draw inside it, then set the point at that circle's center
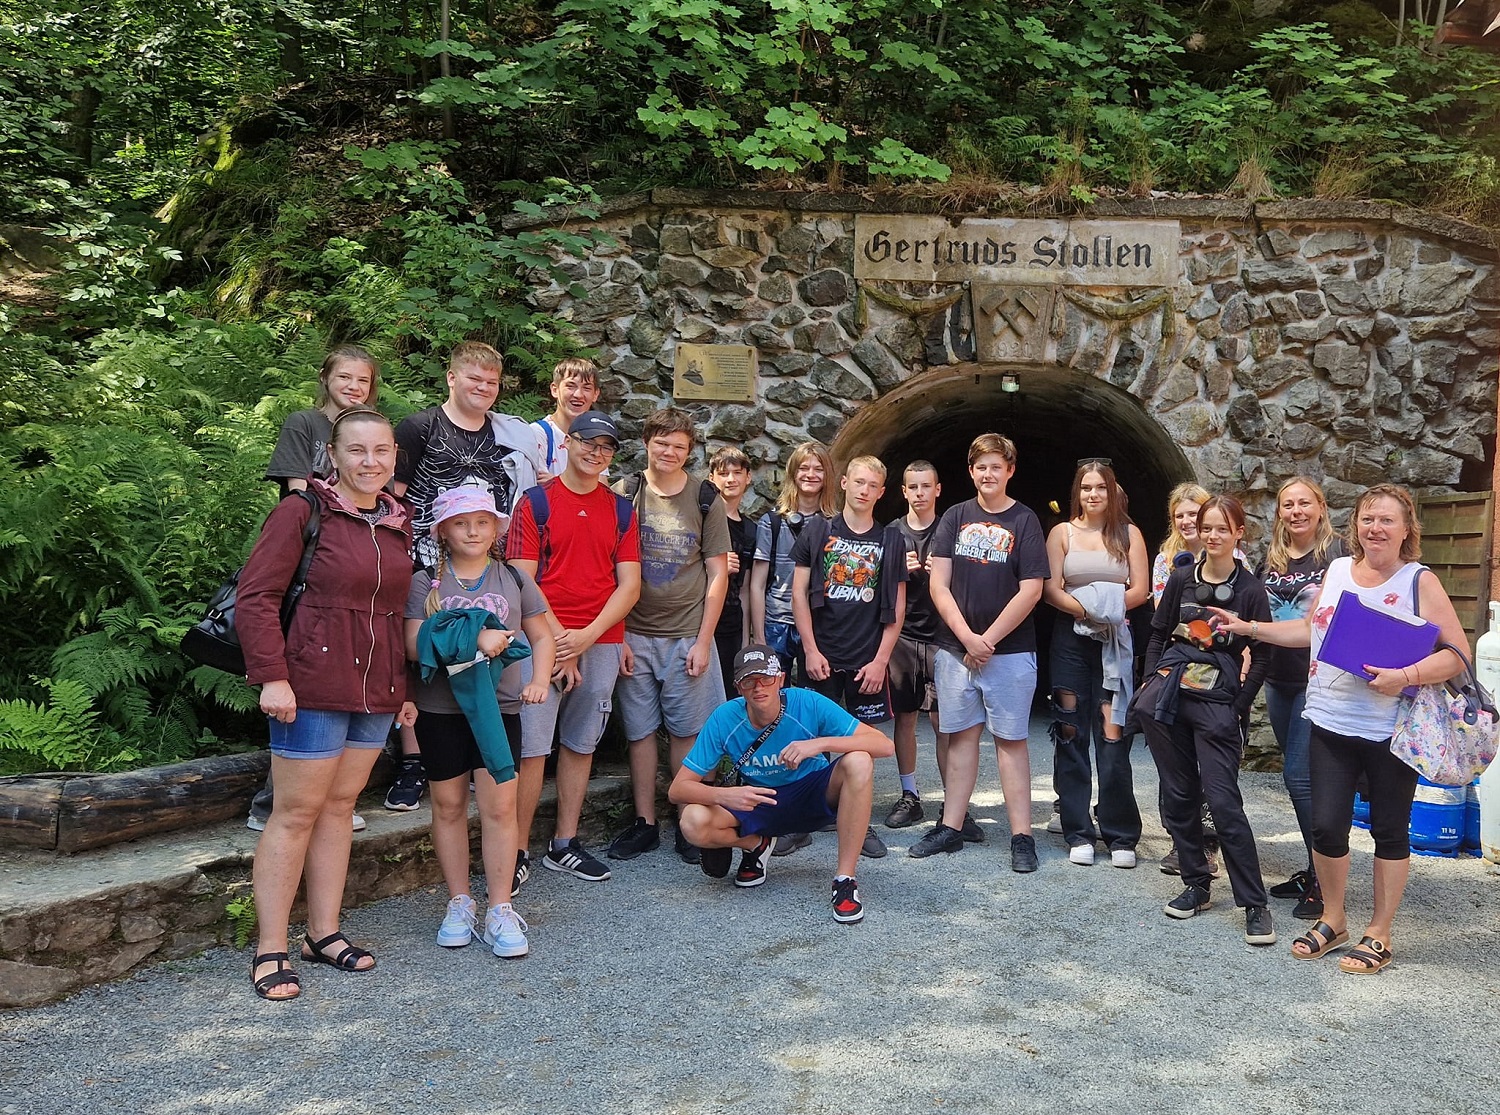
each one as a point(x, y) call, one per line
point(486, 587)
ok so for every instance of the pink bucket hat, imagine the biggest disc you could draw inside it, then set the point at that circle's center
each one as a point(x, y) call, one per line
point(467, 499)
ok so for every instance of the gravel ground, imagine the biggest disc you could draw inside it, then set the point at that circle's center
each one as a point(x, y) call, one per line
point(967, 988)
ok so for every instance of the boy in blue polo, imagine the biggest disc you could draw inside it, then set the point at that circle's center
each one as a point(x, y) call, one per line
point(773, 742)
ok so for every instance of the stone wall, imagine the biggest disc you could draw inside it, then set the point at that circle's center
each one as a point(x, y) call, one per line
point(1355, 342)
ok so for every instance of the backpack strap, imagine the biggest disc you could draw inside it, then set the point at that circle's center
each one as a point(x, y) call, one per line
point(310, 531)
point(546, 428)
point(541, 511)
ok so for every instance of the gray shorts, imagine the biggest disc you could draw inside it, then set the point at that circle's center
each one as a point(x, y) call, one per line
point(660, 691)
point(998, 695)
point(577, 716)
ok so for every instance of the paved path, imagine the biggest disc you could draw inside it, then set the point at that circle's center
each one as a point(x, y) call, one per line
point(966, 989)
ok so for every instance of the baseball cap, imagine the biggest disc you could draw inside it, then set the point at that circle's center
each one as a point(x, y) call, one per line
point(594, 423)
point(756, 659)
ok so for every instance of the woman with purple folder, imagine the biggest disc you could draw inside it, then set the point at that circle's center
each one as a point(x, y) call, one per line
point(1354, 715)
point(1302, 545)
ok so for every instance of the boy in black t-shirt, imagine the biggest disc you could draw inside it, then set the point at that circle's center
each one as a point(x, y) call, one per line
point(989, 560)
point(729, 470)
point(849, 598)
point(912, 679)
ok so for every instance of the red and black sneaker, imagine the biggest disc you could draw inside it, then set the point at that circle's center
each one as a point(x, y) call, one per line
point(753, 861)
point(847, 907)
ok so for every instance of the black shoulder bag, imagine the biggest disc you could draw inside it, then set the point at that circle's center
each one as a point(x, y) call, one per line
point(213, 640)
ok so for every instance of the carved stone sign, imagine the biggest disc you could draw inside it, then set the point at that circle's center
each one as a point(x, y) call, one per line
point(1050, 252)
point(1011, 322)
point(725, 373)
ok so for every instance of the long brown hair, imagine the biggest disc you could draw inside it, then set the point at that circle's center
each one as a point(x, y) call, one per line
point(786, 500)
point(347, 354)
point(1279, 553)
point(1116, 529)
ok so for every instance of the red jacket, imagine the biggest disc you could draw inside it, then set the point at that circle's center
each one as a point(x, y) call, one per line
point(344, 651)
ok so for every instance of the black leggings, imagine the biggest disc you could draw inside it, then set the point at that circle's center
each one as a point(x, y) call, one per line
point(1335, 763)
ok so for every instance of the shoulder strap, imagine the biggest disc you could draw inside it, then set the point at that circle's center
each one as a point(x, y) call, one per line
point(707, 493)
point(775, 534)
point(1416, 595)
point(623, 510)
point(765, 734)
point(551, 443)
point(310, 531)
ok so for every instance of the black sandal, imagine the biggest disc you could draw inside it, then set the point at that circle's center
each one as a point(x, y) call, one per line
point(347, 959)
point(282, 976)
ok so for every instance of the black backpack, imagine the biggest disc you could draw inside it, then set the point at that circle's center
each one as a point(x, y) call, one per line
point(213, 640)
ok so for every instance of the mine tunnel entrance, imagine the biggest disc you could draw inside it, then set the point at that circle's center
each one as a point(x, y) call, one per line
point(1054, 415)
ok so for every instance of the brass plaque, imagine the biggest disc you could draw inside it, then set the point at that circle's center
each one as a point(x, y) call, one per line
point(1013, 251)
point(724, 373)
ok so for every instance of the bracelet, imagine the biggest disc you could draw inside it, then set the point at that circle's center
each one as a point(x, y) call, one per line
point(1255, 629)
point(1404, 677)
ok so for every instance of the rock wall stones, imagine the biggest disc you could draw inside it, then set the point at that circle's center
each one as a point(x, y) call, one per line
point(1352, 342)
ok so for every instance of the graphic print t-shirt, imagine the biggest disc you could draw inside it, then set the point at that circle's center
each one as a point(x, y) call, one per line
point(992, 553)
point(728, 731)
point(850, 568)
point(510, 594)
point(676, 539)
point(1291, 595)
point(433, 455)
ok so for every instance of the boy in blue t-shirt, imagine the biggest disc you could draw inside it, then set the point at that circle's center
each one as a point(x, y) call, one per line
point(773, 742)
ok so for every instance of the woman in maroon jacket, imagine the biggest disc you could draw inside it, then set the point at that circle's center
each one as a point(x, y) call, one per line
point(331, 686)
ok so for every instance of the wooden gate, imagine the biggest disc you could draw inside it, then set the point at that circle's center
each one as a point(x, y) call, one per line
point(1456, 540)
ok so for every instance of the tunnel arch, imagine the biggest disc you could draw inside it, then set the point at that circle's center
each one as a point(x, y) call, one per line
point(1055, 416)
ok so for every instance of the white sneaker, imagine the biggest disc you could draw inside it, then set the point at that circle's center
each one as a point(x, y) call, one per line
point(504, 931)
point(1081, 854)
point(1122, 857)
point(457, 929)
point(1054, 824)
point(359, 823)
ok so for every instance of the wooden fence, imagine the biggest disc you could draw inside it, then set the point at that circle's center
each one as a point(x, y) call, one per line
point(1456, 540)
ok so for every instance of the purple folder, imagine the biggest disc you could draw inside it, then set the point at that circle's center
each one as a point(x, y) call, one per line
point(1361, 635)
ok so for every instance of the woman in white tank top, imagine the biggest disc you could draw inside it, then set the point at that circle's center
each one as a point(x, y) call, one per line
point(1353, 718)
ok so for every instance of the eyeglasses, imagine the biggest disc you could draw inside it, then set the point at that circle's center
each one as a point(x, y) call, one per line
point(757, 681)
point(1102, 462)
point(599, 448)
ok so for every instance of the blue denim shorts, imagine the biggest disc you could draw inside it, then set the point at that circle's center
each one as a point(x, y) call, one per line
point(319, 734)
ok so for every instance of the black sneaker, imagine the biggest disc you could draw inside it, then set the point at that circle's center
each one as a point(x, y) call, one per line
point(1295, 887)
point(1311, 906)
point(406, 792)
point(715, 861)
point(523, 871)
point(753, 861)
point(1192, 901)
point(786, 845)
point(940, 838)
point(638, 838)
point(690, 853)
point(574, 859)
point(1023, 853)
point(1258, 927)
point(971, 832)
point(873, 847)
point(847, 907)
point(906, 811)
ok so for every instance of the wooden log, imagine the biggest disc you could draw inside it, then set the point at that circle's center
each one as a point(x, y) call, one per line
point(107, 808)
point(28, 811)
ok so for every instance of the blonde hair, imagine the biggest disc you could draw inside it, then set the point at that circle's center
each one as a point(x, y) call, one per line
point(1279, 552)
point(431, 603)
point(1411, 546)
point(1188, 492)
point(874, 464)
point(476, 354)
point(577, 368)
point(786, 500)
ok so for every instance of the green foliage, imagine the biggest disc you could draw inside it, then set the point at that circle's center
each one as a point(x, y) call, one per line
point(242, 918)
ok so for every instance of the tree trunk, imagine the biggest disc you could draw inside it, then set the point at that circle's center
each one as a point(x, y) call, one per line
point(289, 45)
point(448, 132)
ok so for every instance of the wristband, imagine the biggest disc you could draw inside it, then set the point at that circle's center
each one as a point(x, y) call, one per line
point(1255, 629)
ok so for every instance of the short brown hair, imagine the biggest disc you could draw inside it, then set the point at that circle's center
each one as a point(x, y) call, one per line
point(993, 443)
point(918, 466)
point(576, 367)
point(731, 456)
point(1411, 545)
point(476, 354)
point(669, 420)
